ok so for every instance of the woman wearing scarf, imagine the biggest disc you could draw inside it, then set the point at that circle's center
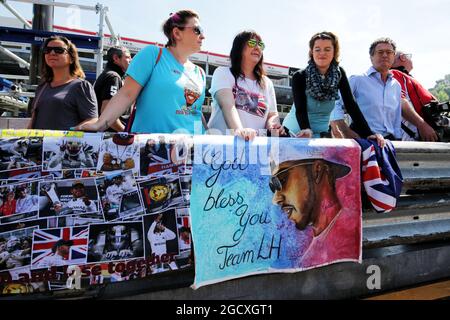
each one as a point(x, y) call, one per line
point(316, 88)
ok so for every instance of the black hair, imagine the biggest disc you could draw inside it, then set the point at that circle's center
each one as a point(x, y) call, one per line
point(119, 51)
point(236, 56)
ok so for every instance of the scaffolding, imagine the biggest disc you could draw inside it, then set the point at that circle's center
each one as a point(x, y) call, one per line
point(99, 9)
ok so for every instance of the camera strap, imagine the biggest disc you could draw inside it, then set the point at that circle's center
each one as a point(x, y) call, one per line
point(408, 131)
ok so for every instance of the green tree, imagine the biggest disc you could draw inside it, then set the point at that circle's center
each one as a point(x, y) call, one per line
point(442, 89)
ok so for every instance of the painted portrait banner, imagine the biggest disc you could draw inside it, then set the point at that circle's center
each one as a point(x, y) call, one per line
point(273, 205)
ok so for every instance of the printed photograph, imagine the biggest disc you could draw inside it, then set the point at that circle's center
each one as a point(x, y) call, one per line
point(115, 241)
point(20, 153)
point(59, 247)
point(119, 196)
point(20, 198)
point(39, 223)
point(73, 221)
point(68, 197)
point(161, 193)
point(183, 229)
point(118, 152)
point(186, 186)
point(162, 154)
point(15, 248)
point(162, 240)
point(71, 153)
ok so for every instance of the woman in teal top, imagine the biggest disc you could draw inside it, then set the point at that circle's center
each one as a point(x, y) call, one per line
point(168, 88)
point(316, 88)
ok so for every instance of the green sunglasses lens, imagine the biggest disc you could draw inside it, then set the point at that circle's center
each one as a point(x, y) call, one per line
point(251, 43)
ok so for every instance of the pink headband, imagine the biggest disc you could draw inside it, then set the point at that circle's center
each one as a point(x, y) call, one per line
point(175, 17)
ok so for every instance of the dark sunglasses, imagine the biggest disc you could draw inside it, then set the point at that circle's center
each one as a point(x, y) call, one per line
point(276, 184)
point(197, 30)
point(253, 42)
point(57, 50)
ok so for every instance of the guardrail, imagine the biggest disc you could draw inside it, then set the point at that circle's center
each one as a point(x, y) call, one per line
point(423, 212)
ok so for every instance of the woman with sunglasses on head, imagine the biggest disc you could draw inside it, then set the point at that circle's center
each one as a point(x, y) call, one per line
point(316, 88)
point(168, 88)
point(63, 99)
point(243, 96)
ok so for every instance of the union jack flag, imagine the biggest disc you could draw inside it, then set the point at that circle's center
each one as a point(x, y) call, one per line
point(43, 241)
point(381, 175)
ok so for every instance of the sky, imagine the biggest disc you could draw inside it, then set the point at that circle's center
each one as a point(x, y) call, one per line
point(419, 27)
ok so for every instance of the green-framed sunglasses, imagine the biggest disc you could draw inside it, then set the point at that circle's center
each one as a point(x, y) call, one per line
point(253, 42)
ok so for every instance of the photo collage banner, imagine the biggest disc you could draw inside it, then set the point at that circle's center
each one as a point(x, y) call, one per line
point(115, 205)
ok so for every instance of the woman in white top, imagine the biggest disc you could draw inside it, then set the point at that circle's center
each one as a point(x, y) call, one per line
point(243, 96)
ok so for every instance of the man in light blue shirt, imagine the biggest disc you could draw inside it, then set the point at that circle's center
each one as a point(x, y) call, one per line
point(378, 95)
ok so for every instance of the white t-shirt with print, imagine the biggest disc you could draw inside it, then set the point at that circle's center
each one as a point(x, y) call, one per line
point(253, 103)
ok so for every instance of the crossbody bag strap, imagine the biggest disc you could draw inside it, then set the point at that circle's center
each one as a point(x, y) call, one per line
point(133, 112)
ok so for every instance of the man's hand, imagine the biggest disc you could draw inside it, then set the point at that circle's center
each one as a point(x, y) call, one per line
point(341, 130)
point(57, 207)
point(427, 133)
point(380, 139)
point(125, 253)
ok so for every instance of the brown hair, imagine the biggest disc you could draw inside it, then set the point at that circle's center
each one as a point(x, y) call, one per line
point(74, 68)
point(177, 20)
point(236, 57)
point(326, 35)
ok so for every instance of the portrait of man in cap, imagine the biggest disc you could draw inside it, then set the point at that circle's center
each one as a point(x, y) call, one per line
point(305, 190)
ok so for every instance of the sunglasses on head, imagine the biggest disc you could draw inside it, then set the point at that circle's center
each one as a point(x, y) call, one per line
point(253, 42)
point(276, 184)
point(57, 50)
point(197, 30)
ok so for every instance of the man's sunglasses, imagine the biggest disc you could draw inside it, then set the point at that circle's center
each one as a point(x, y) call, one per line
point(252, 43)
point(276, 184)
point(197, 30)
point(57, 50)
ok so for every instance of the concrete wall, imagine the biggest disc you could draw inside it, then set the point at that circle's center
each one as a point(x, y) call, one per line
point(14, 123)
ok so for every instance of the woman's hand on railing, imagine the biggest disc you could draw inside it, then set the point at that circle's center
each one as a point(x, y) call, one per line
point(246, 133)
point(305, 133)
point(277, 130)
point(92, 125)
